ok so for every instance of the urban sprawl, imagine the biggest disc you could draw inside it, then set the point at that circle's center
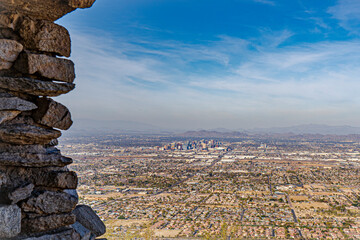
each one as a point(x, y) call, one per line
point(149, 187)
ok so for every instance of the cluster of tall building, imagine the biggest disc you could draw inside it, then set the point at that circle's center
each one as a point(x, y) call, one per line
point(191, 145)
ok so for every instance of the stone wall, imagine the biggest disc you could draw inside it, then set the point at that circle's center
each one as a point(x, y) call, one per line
point(38, 198)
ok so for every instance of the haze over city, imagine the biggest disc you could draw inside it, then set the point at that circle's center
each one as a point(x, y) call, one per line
point(209, 64)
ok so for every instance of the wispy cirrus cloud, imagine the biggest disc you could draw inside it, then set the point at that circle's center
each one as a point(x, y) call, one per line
point(179, 84)
point(268, 2)
point(306, 75)
point(348, 14)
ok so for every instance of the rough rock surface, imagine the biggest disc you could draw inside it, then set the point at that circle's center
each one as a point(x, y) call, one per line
point(41, 149)
point(9, 51)
point(34, 159)
point(45, 36)
point(7, 33)
point(50, 177)
point(11, 102)
point(18, 194)
point(13, 195)
point(8, 115)
point(49, 203)
point(44, 9)
point(49, 67)
point(52, 114)
point(88, 218)
point(85, 234)
point(47, 223)
point(67, 234)
point(27, 134)
point(10, 221)
point(35, 87)
point(73, 193)
point(81, 3)
point(8, 20)
point(58, 179)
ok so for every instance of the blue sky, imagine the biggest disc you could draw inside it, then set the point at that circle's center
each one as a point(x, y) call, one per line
point(209, 63)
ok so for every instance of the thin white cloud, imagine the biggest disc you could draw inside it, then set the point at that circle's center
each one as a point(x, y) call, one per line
point(271, 39)
point(348, 14)
point(268, 2)
point(162, 82)
point(319, 22)
point(321, 73)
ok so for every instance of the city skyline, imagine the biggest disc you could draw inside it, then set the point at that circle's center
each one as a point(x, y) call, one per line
point(234, 64)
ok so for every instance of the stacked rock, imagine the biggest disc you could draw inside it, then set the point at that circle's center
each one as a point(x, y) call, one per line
point(37, 191)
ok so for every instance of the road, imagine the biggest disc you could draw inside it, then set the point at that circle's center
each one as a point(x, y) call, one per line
point(292, 208)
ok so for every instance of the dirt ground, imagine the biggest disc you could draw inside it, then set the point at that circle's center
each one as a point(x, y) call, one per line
point(167, 233)
point(296, 198)
point(308, 205)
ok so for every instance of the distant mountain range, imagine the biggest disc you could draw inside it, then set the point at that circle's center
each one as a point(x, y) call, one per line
point(95, 127)
point(297, 130)
point(208, 134)
point(310, 129)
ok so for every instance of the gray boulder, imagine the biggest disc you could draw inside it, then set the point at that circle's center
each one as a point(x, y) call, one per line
point(47, 223)
point(11, 148)
point(49, 203)
point(73, 193)
point(49, 67)
point(49, 177)
point(67, 234)
point(11, 106)
point(89, 219)
point(9, 51)
point(57, 179)
point(8, 115)
point(52, 114)
point(45, 36)
point(85, 234)
point(44, 9)
point(22, 159)
point(20, 193)
point(10, 221)
point(27, 134)
point(35, 87)
point(11, 102)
